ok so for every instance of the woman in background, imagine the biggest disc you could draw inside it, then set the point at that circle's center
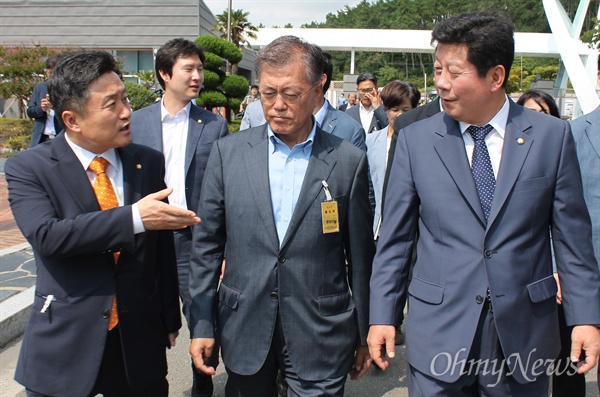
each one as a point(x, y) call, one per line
point(539, 101)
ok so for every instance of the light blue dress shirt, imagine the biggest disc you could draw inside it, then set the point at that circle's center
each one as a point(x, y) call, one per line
point(287, 168)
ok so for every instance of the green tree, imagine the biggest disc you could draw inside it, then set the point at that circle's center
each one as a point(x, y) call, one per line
point(219, 89)
point(241, 28)
point(23, 67)
point(139, 95)
point(147, 77)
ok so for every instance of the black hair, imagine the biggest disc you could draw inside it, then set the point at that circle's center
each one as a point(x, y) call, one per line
point(489, 37)
point(366, 77)
point(397, 91)
point(327, 71)
point(540, 97)
point(167, 56)
point(73, 74)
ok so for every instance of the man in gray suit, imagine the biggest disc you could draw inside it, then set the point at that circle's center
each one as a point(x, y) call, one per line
point(586, 132)
point(184, 133)
point(287, 204)
point(483, 183)
point(369, 111)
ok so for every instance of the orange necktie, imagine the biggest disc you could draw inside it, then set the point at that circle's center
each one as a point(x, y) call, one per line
point(107, 199)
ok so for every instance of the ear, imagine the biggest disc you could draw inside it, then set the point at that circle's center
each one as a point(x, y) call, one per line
point(497, 76)
point(70, 120)
point(165, 76)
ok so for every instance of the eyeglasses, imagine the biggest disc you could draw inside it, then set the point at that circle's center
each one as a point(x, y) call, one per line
point(365, 90)
point(291, 99)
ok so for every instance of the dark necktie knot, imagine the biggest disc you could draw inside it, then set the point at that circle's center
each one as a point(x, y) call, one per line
point(479, 133)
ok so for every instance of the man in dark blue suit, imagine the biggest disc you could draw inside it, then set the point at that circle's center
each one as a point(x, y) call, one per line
point(184, 133)
point(483, 184)
point(106, 305)
point(46, 123)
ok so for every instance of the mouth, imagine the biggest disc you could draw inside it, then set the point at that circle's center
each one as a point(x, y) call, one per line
point(125, 128)
point(195, 87)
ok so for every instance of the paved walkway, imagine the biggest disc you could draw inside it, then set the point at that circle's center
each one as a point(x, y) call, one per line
point(17, 267)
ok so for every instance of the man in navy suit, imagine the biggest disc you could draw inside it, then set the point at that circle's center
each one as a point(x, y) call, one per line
point(483, 183)
point(47, 123)
point(106, 305)
point(185, 134)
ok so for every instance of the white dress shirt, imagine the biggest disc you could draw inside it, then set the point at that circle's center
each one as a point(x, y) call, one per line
point(174, 139)
point(494, 140)
point(114, 173)
point(366, 116)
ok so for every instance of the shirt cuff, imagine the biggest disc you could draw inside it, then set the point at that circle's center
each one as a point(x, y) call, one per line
point(138, 225)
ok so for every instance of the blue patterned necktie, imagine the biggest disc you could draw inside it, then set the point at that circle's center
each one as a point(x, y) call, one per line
point(481, 166)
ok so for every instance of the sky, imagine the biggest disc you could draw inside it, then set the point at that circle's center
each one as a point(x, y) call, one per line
point(281, 12)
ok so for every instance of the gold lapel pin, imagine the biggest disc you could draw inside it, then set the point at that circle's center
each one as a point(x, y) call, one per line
point(138, 166)
point(520, 141)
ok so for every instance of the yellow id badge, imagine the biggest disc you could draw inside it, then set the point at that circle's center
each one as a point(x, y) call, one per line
point(329, 214)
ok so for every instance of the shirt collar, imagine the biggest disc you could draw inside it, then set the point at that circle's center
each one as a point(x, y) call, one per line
point(85, 157)
point(363, 109)
point(498, 122)
point(275, 143)
point(320, 116)
point(164, 113)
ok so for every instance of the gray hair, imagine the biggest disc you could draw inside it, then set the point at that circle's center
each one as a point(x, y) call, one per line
point(287, 49)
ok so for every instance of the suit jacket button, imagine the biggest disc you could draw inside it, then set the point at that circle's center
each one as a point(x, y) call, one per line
point(105, 313)
point(479, 299)
point(281, 258)
point(274, 295)
point(487, 254)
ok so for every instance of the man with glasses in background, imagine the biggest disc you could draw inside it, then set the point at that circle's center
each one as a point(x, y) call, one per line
point(369, 112)
point(285, 202)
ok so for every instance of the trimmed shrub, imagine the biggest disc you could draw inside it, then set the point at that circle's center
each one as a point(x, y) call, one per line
point(211, 99)
point(211, 79)
point(235, 86)
point(212, 61)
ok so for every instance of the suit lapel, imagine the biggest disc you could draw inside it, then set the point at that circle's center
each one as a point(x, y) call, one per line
point(256, 160)
point(153, 124)
point(320, 165)
point(513, 157)
point(195, 128)
point(592, 132)
point(70, 171)
point(328, 120)
point(451, 149)
point(132, 175)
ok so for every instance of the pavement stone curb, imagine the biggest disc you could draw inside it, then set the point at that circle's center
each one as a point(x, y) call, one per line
point(14, 314)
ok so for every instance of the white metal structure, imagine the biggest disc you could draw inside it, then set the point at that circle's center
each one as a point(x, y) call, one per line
point(578, 58)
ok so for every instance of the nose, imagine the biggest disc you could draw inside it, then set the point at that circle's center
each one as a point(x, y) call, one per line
point(126, 112)
point(279, 103)
point(440, 81)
